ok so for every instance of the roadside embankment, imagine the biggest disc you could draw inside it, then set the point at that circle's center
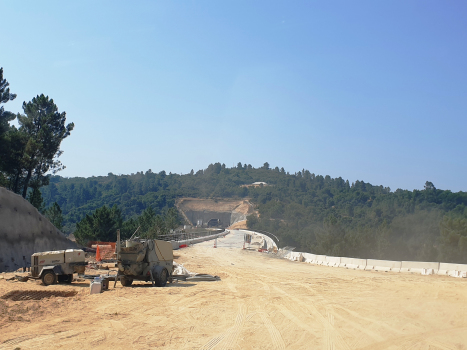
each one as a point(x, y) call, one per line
point(24, 231)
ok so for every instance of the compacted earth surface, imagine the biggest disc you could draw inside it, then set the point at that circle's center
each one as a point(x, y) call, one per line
point(260, 303)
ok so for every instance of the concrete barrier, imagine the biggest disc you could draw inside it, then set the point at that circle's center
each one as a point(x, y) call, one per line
point(425, 268)
point(198, 239)
point(175, 244)
point(453, 270)
point(308, 258)
point(353, 263)
point(333, 261)
point(383, 265)
point(320, 260)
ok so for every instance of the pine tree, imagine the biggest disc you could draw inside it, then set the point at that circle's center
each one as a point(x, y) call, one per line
point(54, 214)
point(45, 129)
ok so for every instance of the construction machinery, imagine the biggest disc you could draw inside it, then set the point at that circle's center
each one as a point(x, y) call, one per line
point(60, 265)
point(149, 260)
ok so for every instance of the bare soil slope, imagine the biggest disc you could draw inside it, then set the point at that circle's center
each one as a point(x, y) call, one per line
point(260, 303)
point(239, 225)
point(224, 205)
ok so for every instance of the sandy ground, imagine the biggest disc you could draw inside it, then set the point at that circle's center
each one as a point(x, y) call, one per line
point(260, 303)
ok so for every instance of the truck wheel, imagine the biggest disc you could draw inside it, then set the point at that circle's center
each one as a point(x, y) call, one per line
point(126, 281)
point(161, 280)
point(49, 278)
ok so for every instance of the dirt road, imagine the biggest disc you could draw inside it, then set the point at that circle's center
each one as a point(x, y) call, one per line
point(260, 303)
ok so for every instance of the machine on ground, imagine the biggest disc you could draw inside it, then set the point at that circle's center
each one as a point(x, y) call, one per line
point(149, 260)
point(60, 265)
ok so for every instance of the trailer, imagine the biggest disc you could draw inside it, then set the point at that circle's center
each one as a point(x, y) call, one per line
point(57, 266)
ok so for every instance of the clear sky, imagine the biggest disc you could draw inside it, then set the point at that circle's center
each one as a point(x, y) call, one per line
point(366, 90)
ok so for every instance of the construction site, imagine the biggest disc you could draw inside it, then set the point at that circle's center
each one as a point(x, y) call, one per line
point(232, 289)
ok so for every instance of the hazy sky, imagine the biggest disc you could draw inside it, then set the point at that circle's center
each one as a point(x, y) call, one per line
point(367, 90)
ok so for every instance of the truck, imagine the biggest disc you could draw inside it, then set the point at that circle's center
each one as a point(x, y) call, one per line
point(148, 260)
point(57, 266)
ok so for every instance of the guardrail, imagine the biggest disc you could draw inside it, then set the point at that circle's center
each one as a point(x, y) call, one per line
point(193, 240)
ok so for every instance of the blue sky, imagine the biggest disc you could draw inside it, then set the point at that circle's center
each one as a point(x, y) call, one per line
point(366, 90)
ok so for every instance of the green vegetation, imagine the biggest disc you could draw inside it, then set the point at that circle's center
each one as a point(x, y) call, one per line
point(29, 152)
point(311, 212)
point(103, 223)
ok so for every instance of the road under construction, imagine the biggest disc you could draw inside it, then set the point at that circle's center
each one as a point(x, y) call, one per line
point(259, 303)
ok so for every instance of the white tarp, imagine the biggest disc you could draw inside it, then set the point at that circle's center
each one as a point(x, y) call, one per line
point(180, 270)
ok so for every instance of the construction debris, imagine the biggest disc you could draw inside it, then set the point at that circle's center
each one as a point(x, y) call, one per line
point(181, 273)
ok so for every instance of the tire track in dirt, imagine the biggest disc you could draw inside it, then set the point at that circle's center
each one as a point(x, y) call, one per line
point(372, 321)
point(330, 308)
point(276, 336)
point(211, 344)
point(14, 341)
point(228, 339)
point(294, 318)
point(26, 341)
point(331, 334)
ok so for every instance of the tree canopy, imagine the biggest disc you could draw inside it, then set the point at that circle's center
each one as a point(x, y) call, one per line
point(31, 152)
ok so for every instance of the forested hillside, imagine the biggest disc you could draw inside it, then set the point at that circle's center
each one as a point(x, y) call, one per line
point(310, 212)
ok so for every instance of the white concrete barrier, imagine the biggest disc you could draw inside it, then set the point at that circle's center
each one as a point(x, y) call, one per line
point(333, 261)
point(353, 263)
point(320, 260)
point(425, 268)
point(308, 258)
point(175, 244)
point(453, 270)
point(383, 265)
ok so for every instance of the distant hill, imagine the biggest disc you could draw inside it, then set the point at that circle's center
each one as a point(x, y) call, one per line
point(311, 212)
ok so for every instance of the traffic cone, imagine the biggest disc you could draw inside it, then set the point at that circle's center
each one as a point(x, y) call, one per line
point(98, 254)
point(215, 243)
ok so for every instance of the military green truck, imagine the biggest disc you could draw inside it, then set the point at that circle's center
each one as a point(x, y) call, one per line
point(57, 266)
point(148, 260)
